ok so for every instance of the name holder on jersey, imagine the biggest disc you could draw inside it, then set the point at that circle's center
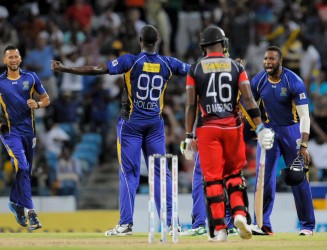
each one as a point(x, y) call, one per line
point(151, 67)
point(213, 65)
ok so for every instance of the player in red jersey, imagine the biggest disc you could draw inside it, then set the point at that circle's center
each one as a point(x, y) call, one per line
point(213, 85)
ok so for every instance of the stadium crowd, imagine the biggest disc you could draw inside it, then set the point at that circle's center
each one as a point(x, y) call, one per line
point(76, 132)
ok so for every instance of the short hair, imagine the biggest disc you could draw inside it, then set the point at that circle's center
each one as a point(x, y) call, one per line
point(275, 48)
point(9, 47)
point(149, 34)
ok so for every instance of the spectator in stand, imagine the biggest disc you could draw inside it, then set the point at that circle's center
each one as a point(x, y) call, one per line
point(74, 35)
point(81, 12)
point(70, 55)
point(310, 62)
point(157, 16)
point(36, 60)
point(68, 173)
point(8, 34)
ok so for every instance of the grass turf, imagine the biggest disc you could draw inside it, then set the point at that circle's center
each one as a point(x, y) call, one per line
point(94, 241)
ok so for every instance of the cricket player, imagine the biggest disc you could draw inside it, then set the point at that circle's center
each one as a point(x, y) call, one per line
point(17, 90)
point(285, 101)
point(212, 85)
point(140, 125)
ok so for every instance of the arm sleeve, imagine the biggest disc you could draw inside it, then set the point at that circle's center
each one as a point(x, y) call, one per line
point(121, 64)
point(178, 67)
point(38, 85)
point(303, 111)
point(299, 92)
point(190, 80)
point(254, 90)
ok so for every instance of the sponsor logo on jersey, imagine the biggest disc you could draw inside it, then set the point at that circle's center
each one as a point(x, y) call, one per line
point(302, 96)
point(13, 83)
point(114, 63)
point(26, 85)
point(216, 65)
point(151, 67)
point(283, 92)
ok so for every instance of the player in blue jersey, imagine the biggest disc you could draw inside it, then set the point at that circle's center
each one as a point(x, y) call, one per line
point(140, 125)
point(17, 90)
point(284, 99)
point(199, 214)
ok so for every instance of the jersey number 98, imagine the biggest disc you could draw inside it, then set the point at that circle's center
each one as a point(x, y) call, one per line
point(149, 87)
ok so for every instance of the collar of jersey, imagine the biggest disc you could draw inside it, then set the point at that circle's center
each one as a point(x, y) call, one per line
point(215, 54)
point(20, 74)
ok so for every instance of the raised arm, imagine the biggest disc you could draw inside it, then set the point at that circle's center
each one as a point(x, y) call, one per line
point(82, 70)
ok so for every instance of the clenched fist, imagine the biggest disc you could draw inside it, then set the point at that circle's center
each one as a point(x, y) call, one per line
point(56, 65)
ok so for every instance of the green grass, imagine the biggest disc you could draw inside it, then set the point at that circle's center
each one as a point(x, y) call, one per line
point(94, 241)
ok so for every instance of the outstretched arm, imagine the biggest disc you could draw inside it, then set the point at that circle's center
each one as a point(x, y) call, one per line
point(82, 70)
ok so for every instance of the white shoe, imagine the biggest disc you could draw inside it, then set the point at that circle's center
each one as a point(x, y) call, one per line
point(120, 230)
point(232, 232)
point(220, 235)
point(194, 231)
point(244, 229)
point(265, 231)
point(179, 230)
point(305, 232)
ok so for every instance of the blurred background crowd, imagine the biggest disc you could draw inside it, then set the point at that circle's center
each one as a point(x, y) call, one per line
point(76, 152)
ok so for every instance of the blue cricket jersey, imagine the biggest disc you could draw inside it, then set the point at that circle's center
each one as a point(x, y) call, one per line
point(146, 77)
point(13, 98)
point(279, 99)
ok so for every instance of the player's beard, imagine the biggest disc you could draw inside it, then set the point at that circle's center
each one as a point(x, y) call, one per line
point(274, 71)
point(13, 67)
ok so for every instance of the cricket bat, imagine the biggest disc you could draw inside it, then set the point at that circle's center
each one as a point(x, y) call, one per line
point(258, 198)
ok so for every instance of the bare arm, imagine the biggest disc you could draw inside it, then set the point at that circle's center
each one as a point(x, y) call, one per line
point(249, 100)
point(190, 113)
point(82, 70)
point(42, 103)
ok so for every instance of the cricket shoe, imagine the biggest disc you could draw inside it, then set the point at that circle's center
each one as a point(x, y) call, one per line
point(243, 227)
point(179, 230)
point(19, 212)
point(263, 231)
point(120, 230)
point(220, 235)
point(232, 231)
point(194, 231)
point(305, 232)
point(34, 221)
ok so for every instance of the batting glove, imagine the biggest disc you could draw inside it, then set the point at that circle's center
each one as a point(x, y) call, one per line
point(186, 149)
point(265, 137)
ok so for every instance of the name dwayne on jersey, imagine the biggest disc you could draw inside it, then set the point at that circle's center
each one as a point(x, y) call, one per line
point(219, 107)
point(145, 105)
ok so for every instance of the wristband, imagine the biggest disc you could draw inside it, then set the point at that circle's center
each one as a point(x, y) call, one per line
point(189, 135)
point(254, 113)
point(38, 105)
point(259, 128)
point(304, 144)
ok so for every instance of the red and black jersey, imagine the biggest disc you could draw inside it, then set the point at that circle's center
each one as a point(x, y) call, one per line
point(216, 80)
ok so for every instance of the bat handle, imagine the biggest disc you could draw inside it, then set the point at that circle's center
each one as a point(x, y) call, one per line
point(263, 156)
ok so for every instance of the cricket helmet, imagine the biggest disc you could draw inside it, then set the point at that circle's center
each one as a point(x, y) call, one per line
point(294, 174)
point(212, 35)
